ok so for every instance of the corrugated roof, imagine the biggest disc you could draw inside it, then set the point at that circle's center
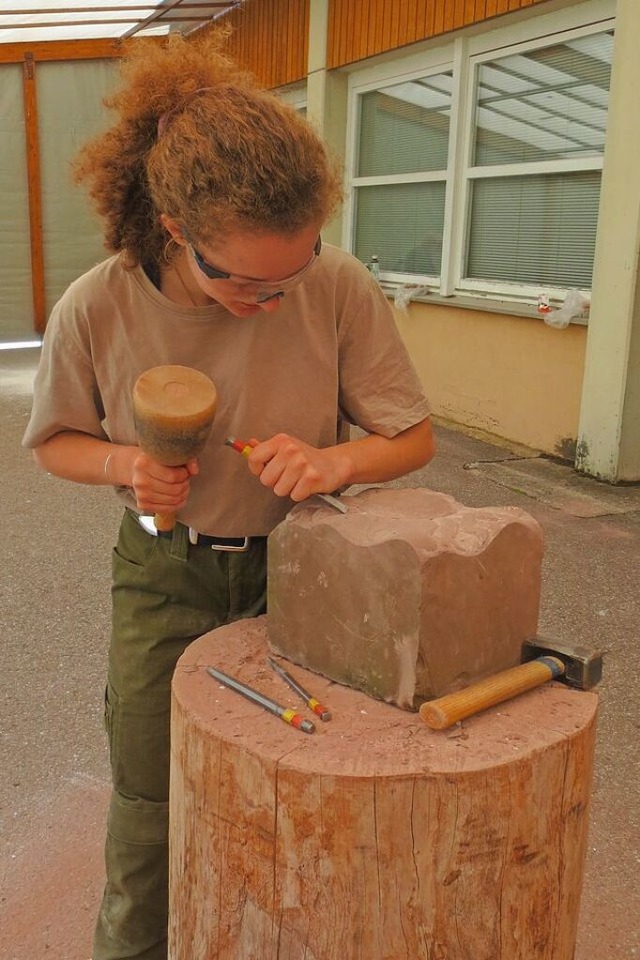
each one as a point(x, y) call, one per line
point(28, 21)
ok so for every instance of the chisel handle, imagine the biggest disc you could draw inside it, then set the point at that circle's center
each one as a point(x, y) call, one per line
point(445, 711)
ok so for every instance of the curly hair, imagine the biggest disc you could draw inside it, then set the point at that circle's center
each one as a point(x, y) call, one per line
point(198, 140)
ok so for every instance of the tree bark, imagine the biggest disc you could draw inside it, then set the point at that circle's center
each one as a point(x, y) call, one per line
point(374, 838)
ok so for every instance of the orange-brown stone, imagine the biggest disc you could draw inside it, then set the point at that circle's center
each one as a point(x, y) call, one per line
point(407, 596)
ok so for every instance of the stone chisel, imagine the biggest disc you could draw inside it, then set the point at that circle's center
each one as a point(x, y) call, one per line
point(310, 701)
point(245, 450)
point(288, 715)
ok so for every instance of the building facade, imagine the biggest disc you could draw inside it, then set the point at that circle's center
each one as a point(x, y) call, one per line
point(489, 149)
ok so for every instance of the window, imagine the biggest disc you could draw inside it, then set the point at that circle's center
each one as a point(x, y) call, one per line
point(401, 174)
point(539, 125)
point(482, 176)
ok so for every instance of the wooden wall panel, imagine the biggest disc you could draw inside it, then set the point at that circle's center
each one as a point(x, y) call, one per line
point(35, 195)
point(364, 28)
point(271, 39)
point(62, 50)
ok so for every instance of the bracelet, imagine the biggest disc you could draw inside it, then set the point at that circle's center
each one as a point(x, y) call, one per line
point(106, 465)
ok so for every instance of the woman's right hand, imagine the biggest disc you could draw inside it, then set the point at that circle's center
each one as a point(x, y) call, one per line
point(161, 489)
point(86, 459)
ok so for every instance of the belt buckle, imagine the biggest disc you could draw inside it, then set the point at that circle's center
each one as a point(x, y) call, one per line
point(233, 549)
point(194, 538)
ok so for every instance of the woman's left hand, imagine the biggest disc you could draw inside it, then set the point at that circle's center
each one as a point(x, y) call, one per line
point(295, 469)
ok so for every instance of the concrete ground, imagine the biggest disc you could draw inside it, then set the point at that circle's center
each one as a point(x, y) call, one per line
point(56, 539)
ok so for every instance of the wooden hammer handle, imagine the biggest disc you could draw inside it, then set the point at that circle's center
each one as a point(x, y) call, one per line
point(165, 521)
point(445, 711)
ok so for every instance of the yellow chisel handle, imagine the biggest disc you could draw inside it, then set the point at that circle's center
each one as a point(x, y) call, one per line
point(445, 711)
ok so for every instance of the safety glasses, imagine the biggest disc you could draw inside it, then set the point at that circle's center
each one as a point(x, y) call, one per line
point(264, 290)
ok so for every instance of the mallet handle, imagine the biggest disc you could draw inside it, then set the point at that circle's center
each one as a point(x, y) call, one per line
point(445, 711)
point(165, 522)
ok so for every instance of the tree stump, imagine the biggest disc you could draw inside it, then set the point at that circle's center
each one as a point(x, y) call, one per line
point(374, 838)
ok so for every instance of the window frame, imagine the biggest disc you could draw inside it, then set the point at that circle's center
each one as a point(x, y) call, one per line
point(294, 94)
point(441, 62)
point(463, 56)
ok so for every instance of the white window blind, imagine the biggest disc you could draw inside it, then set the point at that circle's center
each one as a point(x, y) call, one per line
point(401, 168)
point(401, 224)
point(540, 119)
point(534, 230)
point(405, 128)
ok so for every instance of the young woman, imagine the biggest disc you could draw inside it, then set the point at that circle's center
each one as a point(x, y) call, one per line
point(212, 194)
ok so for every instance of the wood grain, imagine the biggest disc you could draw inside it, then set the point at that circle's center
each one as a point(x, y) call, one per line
point(363, 28)
point(375, 837)
point(36, 238)
point(271, 38)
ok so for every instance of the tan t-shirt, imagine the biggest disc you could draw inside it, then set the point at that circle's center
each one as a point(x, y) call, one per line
point(330, 354)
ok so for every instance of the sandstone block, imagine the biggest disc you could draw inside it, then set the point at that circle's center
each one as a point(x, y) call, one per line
point(407, 596)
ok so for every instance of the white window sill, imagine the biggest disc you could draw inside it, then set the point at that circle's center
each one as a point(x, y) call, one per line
point(506, 306)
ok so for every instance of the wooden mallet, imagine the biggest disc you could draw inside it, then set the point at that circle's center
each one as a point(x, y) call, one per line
point(544, 660)
point(173, 409)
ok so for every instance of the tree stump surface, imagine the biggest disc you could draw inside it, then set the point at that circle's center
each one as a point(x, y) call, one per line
point(374, 838)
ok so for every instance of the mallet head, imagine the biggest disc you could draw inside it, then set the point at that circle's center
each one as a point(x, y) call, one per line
point(173, 410)
point(582, 667)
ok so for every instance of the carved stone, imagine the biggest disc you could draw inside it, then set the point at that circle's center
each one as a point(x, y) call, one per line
point(407, 596)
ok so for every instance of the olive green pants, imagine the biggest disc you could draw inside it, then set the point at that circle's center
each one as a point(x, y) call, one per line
point(166, 593)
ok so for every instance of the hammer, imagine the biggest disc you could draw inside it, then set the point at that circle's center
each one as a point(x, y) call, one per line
point(173, 409)
point(544, 660)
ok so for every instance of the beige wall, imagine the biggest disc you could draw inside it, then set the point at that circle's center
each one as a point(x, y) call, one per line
point(513, 377)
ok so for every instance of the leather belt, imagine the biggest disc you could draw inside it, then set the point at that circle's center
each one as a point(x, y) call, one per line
point(233, 544)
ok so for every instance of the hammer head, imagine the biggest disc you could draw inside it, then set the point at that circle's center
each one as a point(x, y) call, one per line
point(583, 667)
point(173, 408)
